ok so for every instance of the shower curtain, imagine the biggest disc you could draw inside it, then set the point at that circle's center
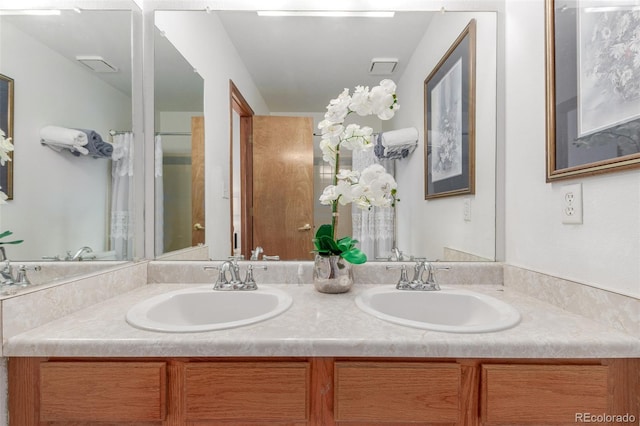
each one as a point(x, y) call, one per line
point(122, 226)
point(159, 198)
point(373, 228)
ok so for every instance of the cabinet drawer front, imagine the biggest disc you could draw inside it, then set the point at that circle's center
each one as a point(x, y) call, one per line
point(397, 392)
point(102, 391)
point(542, 393)
point(247, 391)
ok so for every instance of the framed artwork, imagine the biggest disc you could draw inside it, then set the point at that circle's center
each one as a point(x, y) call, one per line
point(449, 97)
point(6, 124)
point(593, 87)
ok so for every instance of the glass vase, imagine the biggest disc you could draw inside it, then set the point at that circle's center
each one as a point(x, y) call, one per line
point(332, 274)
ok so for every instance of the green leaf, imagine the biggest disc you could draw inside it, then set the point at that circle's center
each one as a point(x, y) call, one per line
point(345, 247)
point(355, 256)
point(6, 234)
point(11, 242)
point(327, 243)
point(325, 230)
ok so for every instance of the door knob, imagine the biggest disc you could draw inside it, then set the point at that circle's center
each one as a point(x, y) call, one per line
point(198, 227)
point(306, 227)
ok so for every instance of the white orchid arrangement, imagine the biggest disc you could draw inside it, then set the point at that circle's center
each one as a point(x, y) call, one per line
point(371, 187)
point(5, 148)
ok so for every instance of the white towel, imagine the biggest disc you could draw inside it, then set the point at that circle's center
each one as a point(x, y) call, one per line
point(63, 136)
point(60, 146)
point(400, 137)
point(399, 143)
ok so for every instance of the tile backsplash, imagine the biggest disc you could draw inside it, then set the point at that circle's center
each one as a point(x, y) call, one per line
point(612, 309)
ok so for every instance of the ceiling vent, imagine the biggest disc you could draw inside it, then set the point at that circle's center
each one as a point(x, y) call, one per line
point(383, 66)
point(96, 63)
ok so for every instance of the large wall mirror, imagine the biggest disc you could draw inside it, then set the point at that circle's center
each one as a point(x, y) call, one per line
point(72, 69)
point(178, 149)
point(292, 66)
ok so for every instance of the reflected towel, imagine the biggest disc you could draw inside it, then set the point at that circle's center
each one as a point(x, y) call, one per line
point(75, 150)
point(63, 136)
point(397, 144)
point(97, 147)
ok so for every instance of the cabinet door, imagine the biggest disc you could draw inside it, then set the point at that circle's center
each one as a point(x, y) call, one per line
point(397, 392)
point(102, 391)
point(542, 394)
point(247, 391)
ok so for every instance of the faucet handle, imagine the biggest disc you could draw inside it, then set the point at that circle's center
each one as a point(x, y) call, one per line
point(249, 281)
point(431, 276)
point(221, 283)
point(21, 279)
point(403, 282)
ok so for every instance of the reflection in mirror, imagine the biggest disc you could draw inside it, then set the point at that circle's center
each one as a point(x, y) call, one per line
point(66, 205)
point(295, 66)
point(179, 148)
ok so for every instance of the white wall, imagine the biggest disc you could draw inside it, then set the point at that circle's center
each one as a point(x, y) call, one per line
point(605, 250)
point(65, 198)
point(425, 227)
point(207, 47)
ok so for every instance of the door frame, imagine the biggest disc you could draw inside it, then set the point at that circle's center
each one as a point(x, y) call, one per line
point(238, 103)
point(197, 181)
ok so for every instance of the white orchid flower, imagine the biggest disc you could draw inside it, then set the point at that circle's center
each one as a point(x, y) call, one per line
point(373, 186)
point(388, 85)
point(5, 148)
point(328, 146)
point(330, 128)
point(356, 138)
point(350, 176)
point(328, 195)
point(360, 102)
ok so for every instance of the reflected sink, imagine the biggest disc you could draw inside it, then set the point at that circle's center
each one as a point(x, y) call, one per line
point(203, 309)
point(449, 310)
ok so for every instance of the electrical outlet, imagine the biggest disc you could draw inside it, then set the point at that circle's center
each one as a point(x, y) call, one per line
point(466, 210)
point(572, 204)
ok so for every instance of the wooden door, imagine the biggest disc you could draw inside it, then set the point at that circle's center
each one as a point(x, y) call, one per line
point(283, 186)
point(197, 181)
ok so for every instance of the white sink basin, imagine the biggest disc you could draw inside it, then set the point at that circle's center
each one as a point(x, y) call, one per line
point(450, 310)
point(203, 309)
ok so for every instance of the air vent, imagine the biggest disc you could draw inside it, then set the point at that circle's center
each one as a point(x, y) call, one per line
point(383, 66)
point(97, 63)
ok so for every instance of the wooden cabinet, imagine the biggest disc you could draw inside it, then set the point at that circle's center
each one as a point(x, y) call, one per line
point(247, 391)
point(318, 391)
point(542, 394)
point(102, 391)
point(371, 392)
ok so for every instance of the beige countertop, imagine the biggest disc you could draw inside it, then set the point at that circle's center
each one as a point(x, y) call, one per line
point(323, 325)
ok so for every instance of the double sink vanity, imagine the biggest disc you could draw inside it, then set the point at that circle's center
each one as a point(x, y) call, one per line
point(153, 343)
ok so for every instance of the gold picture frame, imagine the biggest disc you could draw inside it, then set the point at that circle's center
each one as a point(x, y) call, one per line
point(6, 124)
point(592, 124)
point(450, 110)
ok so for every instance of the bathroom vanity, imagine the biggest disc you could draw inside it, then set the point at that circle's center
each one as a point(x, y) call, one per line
point(319, 390)
point(321, 362)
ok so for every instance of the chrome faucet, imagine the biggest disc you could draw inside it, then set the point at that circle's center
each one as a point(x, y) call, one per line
point(6, 273)
point(255, 254)
point(231, 268)
point(79, 254)
point(417, 283)
point(21, 278)
point(8, 282)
